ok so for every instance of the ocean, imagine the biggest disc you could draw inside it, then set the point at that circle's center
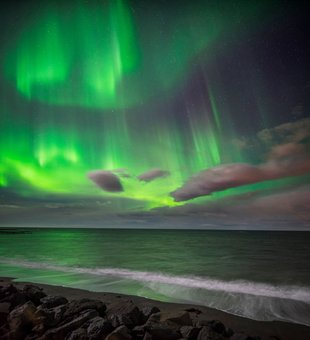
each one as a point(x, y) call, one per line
point(262, 275)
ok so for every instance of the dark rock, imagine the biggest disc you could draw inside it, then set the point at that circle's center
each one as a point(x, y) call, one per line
point(53, 301)
point(229, 332)
point(78, 334)
point(148, 336)
point(4, 311)
point(7, 291)
point(215, 325)
point(49, 317)
point(162, 331)
point(193, 310)
point(21, 320)
point(34, 293)
point(206, 333)
point(171, 320)
point(76, 306)
point(138, 332)
point(18, 299)
point(126, 314)
point(4, 332)
point(218, 326)
point(99, 328)
point(62, 331)
point(242, 336)
point(147, 311)
point(13, 296)
point(189, 332)
point(32, 336)
point(179, 318)
point(120, 333)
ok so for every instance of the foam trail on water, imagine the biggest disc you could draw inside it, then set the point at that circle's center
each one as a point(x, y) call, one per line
point(259, 301)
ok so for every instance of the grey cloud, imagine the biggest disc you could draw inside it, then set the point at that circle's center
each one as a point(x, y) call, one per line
point(106, 180)
point(285, 160)
point(153, 174)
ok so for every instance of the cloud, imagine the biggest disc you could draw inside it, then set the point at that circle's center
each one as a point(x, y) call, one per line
point(122, 172)
point(291, 132)
point(106, 180)
point(153, 174)
point(216, 179)
point(286, 160)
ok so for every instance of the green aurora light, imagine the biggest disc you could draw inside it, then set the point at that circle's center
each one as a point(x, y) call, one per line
point(94, 58)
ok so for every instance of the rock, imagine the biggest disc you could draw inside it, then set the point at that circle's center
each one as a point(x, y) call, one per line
point(53, 301)
point(162, 332)
point(147, 311)
point(18, 299)
point(189, 332)
point(229, 332)
point(215, 325)
point(99, 328)
point(76, 306)
point(242, 336)
point(4, 311)
point(78, 334)
point(4, 332)
point(61, 331)
point(120, 333)
point(21, 320)
point(126, 314)
point(193, 310)
point(218, 326)
point(171, 320)
point(206, 333)
point(7, 291)
point(49, 317)
point(13, 296)
point(148, 336)
point(34, 293)
point(138, 332)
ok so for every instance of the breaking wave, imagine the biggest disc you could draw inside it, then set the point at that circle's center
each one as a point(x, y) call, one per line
point(259, 301)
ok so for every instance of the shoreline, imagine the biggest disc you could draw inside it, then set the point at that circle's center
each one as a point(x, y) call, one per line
point(263, 329)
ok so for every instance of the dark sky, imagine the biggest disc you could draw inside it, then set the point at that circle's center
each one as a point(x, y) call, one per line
point(170, 87)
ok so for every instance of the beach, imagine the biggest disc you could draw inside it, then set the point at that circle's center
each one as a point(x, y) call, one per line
point(182, 315)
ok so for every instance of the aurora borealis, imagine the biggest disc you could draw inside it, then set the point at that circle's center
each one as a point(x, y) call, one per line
point(130, 86)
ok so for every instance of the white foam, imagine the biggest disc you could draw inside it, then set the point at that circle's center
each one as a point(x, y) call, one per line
point(295, 293)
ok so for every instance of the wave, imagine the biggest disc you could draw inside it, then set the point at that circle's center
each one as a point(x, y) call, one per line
point(260, 301)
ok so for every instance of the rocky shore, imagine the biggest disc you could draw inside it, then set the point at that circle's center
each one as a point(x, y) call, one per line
point(30, 312)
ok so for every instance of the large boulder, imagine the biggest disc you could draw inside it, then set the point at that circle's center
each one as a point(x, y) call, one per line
point(78, 334)
point(147, 311)
point(98, 328)
point(4, 311)
point(162, 332)
point(61, 331)
point(34, 293)
point(207, 333)
point(189, 332)
point(21, 320)
point(53, 301)
point(49, 317)
point(127, 314)
point(171, 320)
point(13, 296)
point(120, 333)
point(76, 306)
point(6, 291)
point(215, 325)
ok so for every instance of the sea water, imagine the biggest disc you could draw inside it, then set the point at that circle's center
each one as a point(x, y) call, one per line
point(260, 275)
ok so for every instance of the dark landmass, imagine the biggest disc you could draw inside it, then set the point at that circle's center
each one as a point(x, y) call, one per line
point(47, 312)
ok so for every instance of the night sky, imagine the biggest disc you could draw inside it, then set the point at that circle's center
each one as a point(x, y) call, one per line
point(121, 112)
